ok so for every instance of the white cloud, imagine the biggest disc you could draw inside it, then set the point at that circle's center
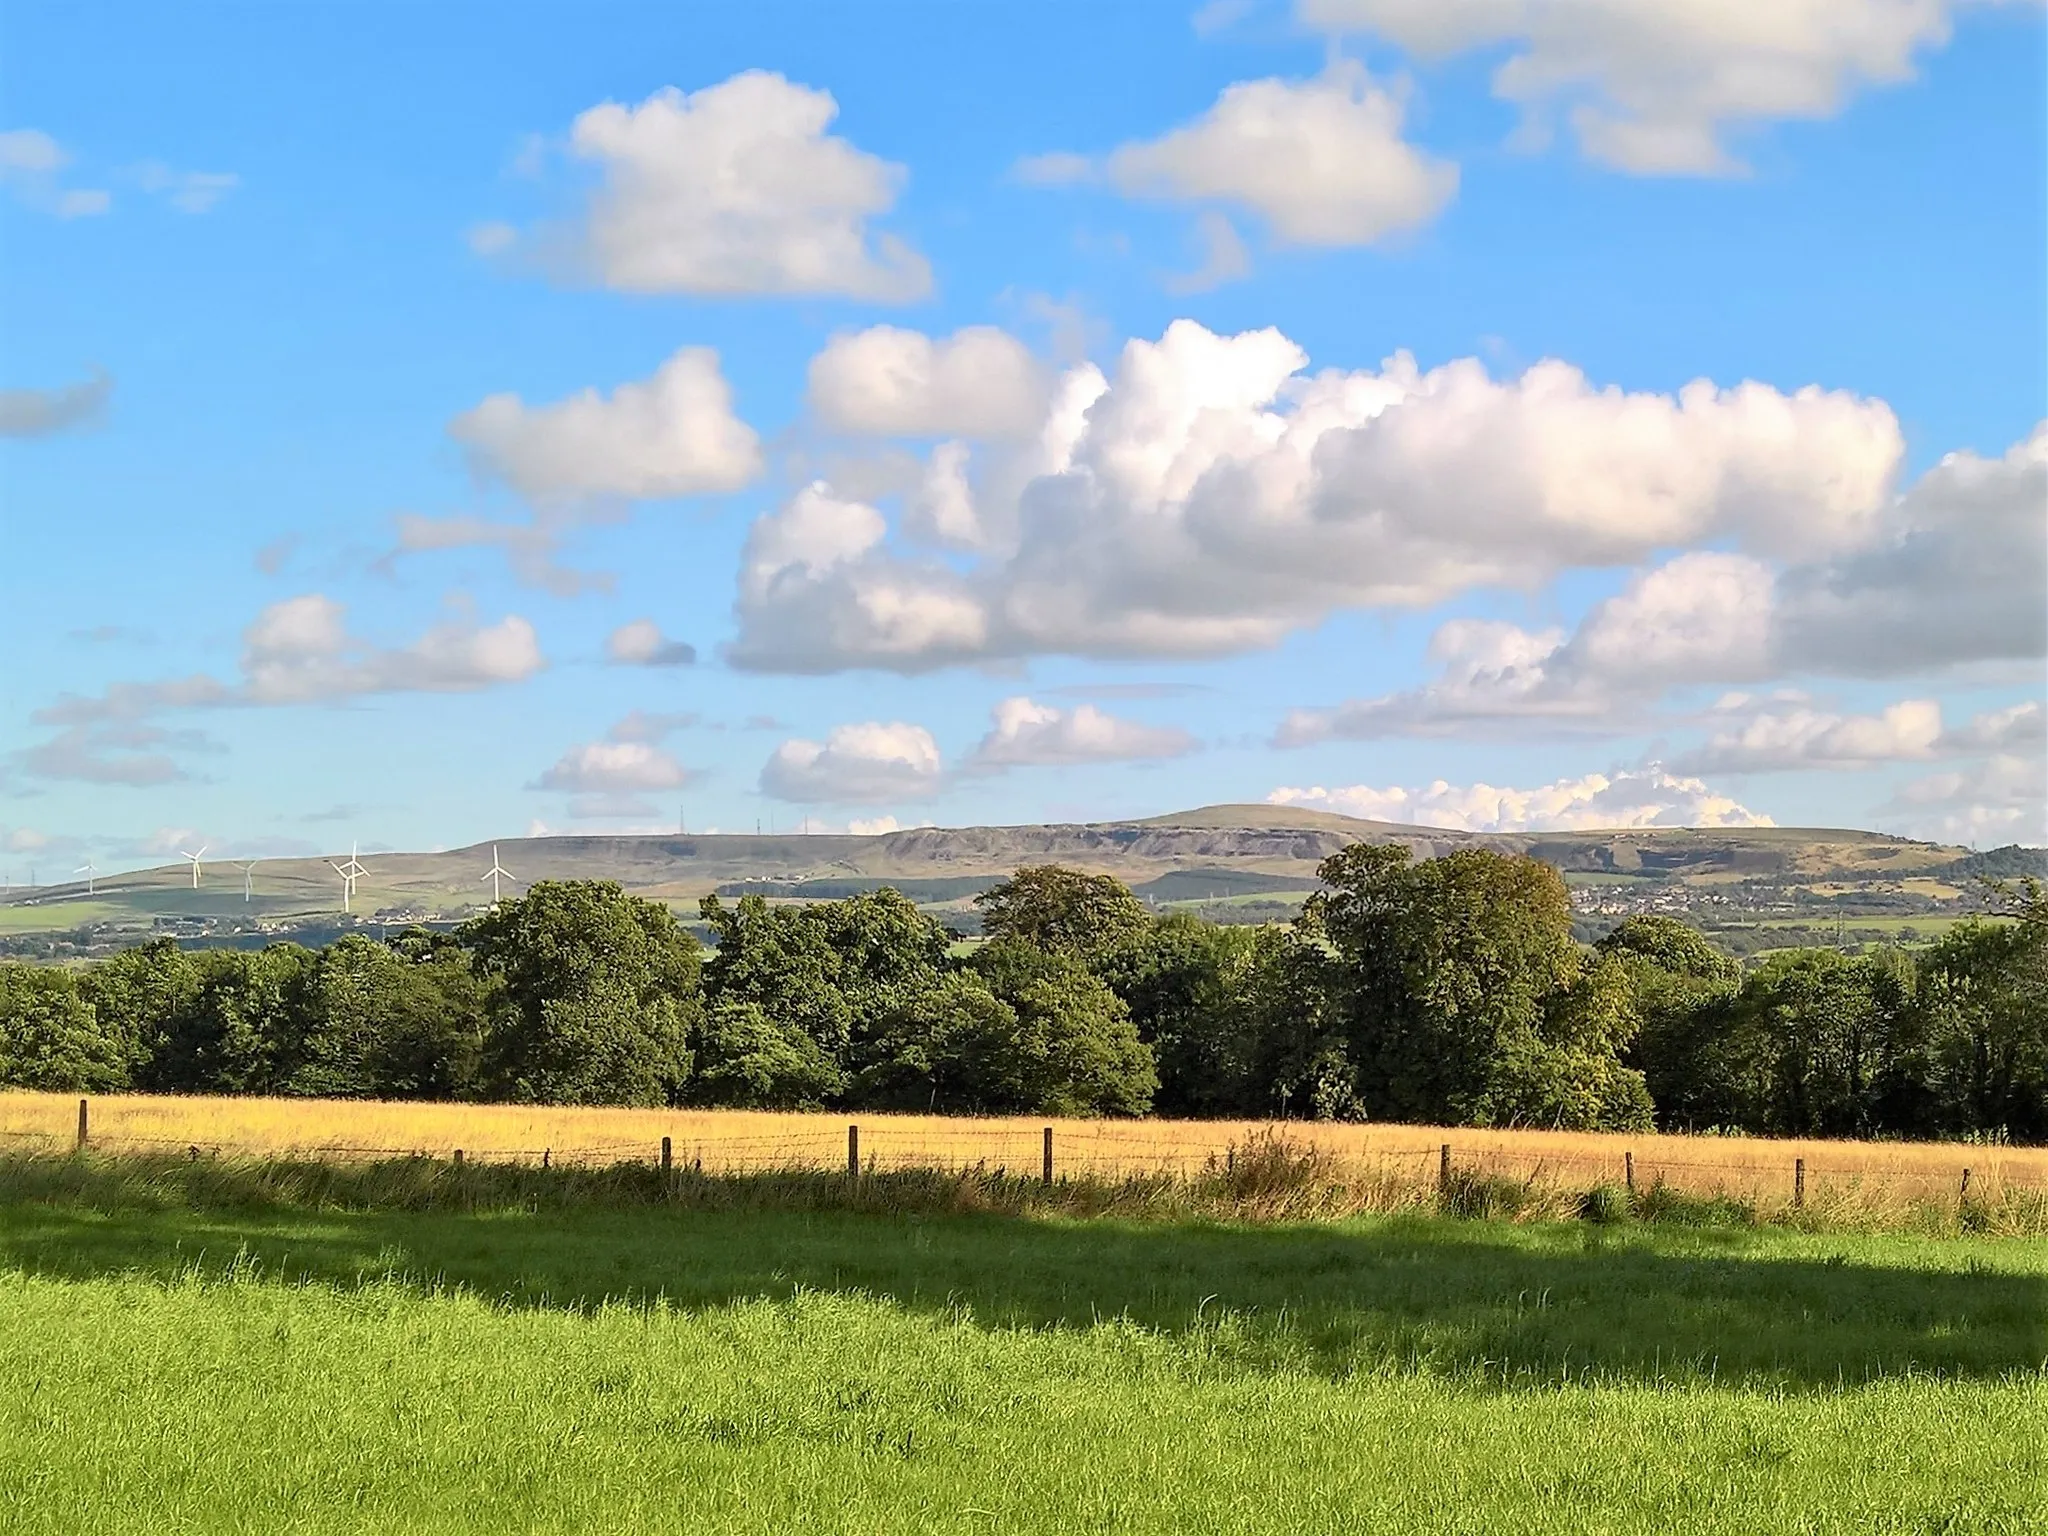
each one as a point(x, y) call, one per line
point(83, 203)
point(887, 382)
point(1208, 498)
point(1786, 739)
point(1322, 161)
point(673, 435)
point(30, 152)
point(2002, 799)
point(816, 594)
point(299, 651)
point(1957, 572)
point(31, 163)
point(532, 549)
point(1224, 257)
point(1646, 798)
point(856, 764)
point(641, 643)
point(40, 412)
point(1657, 86)
point(2016, 728)
point(1026, 733)
point(491, 238)
point(737, 189)
point(109, 751)
point(1952, 572)
point(644, 725)
point(614, 768)
point(186, 191)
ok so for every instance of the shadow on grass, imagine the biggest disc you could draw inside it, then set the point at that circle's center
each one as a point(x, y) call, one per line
point(1514, 1305)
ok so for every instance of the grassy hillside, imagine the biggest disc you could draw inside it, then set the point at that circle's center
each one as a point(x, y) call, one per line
point(1212, 856)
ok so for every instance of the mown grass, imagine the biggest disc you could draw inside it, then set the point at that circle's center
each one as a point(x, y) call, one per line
point(214, 1347)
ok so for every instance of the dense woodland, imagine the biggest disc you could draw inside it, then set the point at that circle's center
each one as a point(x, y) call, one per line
point(1448, 990)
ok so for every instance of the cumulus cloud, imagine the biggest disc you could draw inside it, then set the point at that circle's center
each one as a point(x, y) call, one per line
point(817, 593)
point(1954, 571)
point(1799, 737)
point(641, 643)
point(2016, 728)
point(2002, 799)
point(1026, 733)
point(41, 412)
point(887, 382)
point(674, 434)
point(1207, 497)
point(735, 189)
point(1657, 86)
point(1321, 161)
point(1646, 798)
point(1957, 572)
point(856, 765)
point(614, 768)
point(298, 651)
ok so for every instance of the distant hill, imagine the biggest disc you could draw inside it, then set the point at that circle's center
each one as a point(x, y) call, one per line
point(1218, 852)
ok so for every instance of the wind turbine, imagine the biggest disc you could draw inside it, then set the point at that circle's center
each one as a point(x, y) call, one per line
point(496, 873)
point(194, 857)
point(350, 873)
point(86, 869)
point(247, 870)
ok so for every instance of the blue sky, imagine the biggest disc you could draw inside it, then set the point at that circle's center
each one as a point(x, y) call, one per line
point(996, 402)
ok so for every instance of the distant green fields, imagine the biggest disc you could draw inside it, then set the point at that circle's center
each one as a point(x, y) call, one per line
point(669, 1370)
point(59, 915)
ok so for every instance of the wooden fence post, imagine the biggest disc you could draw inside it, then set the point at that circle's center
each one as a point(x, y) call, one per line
point(1443, 1170)
point(667, 1155)
point(1046, 1176)
point(546, 1156)
point(1628, 1170)
point(1798, 1181)
point(853, 1151)
point(458, 1157)
point(81, 1125)
point(1966, 1183)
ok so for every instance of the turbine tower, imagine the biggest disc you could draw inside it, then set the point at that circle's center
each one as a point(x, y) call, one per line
point(496, 873)
point(194, 857)
point(86, 869)
point(247, 870)
point(350, 873)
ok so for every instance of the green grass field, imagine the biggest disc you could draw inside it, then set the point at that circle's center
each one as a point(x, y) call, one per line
point(173, 1361)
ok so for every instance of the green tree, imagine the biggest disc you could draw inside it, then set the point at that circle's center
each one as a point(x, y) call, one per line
point(1067, 1046)
point(138, 992)
point(1694, 1050)
point(781, 962)
point(231, 1034)
point(745, 1059)
point(50, 1037)
point(1090, 918)
point(598, 995)
point(1982, 1012)
point(1463, 995)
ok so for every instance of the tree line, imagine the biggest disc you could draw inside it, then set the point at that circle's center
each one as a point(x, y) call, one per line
point(1448, 990)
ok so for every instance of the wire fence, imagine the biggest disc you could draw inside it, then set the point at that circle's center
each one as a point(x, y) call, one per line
point(1124, 1150)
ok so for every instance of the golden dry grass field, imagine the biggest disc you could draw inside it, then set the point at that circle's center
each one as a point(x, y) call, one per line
point(1757, 1170)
